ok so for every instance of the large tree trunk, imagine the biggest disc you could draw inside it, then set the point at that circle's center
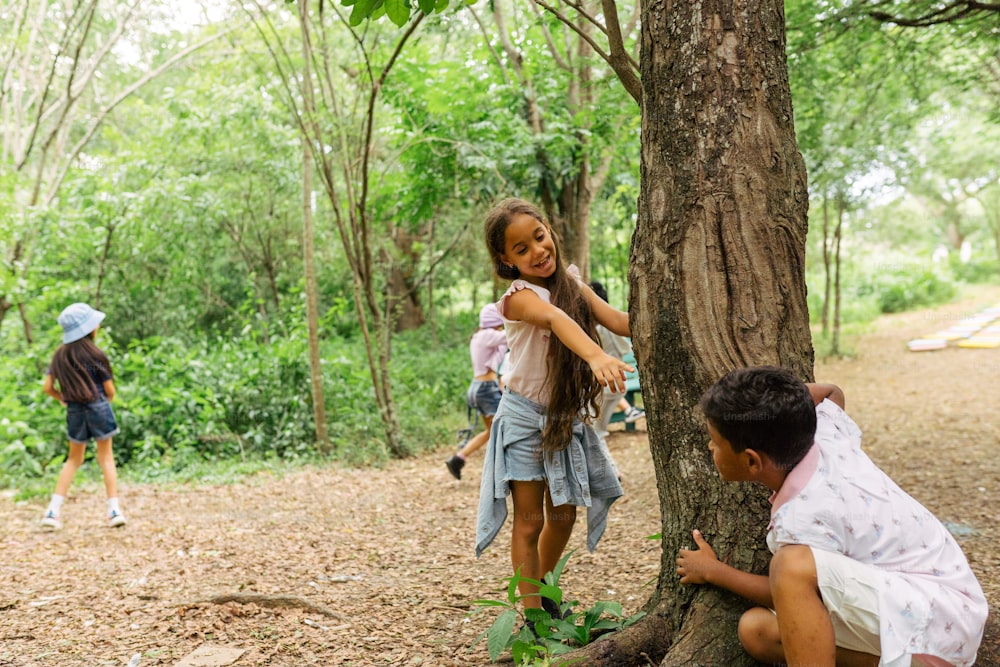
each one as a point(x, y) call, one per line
point(717, 281)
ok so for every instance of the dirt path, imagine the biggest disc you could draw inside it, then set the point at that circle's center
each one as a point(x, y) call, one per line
point(376, 567)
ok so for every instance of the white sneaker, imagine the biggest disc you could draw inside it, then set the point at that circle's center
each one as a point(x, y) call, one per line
point(633, 415)
point(51, 521)
point(116, 519)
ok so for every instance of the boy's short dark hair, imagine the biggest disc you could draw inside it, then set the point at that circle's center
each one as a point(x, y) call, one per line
point(766, 409)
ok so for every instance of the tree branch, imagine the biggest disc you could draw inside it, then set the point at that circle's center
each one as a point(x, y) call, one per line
point(96, 122)
point(623, 65)
point(949, 13)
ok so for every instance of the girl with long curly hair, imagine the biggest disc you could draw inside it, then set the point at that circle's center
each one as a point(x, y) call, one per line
point(542, 448)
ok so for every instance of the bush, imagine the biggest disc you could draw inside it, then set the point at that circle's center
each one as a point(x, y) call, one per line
point(218, 400)
point(906, 291)
point(182, 405)
point(981, 271)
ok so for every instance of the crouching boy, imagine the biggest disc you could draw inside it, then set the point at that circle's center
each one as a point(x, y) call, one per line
point(861, 573)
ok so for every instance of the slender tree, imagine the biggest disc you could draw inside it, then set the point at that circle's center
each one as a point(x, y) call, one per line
point(336, 107)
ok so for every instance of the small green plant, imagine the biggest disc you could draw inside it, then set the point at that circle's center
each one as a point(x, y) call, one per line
point(542, 635)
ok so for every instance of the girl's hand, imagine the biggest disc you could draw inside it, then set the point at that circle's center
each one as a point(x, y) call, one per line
point(695, 566)
point(610, 371)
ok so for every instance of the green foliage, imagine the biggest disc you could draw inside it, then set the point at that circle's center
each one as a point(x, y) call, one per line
point(28, 445)
point(871, 288)
point(218, 400)
point(541, 635)
point(909, 290)
point(975, 271)
point(238, 402)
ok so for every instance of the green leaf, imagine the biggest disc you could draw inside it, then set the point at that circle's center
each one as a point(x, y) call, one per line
point(608, 607)
point(551, 592)
point(633, 619)
point(560, 566)
point(398, 11)
point(523, 651)
point(428, 6)
point(363, 10)
point(512, 586)
point(500, 633)
point(490, 603)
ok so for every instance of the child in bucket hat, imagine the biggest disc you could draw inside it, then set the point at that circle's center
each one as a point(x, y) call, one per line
point(85, 387)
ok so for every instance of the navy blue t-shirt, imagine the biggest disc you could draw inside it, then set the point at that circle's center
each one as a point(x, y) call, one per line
point(99, 374)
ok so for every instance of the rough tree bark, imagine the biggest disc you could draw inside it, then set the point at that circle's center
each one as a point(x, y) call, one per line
point(717, 281)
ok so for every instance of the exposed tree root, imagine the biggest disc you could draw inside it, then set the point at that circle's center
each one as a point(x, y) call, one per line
point(639, 645)
point(272, 601)
point(647, 643)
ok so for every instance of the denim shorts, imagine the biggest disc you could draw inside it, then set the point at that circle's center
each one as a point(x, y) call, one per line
point(86, 421)
point(522, 447)
point(484, 397)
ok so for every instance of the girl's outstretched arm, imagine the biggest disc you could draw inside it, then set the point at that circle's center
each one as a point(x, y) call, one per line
point(526, 306)
point(613, 319)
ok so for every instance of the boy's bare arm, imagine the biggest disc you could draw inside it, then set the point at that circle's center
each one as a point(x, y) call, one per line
point(821, 391)
point(702, 566)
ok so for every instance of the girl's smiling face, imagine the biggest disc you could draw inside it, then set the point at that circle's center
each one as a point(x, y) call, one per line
point(528, 245)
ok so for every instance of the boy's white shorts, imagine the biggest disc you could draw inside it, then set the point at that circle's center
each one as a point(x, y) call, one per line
point(850, 593)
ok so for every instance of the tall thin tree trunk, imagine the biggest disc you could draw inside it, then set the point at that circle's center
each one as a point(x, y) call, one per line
point(837, 234)
point(826, 266)
point(312, 289)
point(102, 265)
point(28, 337)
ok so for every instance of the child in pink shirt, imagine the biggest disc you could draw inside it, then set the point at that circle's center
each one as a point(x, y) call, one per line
point(486, 348)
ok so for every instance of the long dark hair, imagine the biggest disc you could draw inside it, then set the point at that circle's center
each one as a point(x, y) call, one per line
point(71, 366)
point(571, 383)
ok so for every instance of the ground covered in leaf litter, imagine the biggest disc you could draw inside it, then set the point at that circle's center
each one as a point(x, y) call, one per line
point(375, 567)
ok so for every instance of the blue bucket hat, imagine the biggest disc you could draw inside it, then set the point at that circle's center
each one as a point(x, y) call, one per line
point(78, 320)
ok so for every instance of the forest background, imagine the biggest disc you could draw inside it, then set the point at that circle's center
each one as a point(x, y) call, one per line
point(270, 306)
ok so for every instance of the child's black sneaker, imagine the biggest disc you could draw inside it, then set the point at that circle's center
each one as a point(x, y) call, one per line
point(552, 608)
point(455, 465)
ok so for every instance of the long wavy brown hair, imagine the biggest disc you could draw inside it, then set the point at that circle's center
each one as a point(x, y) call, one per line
point(70, 366)
point(573, 388)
